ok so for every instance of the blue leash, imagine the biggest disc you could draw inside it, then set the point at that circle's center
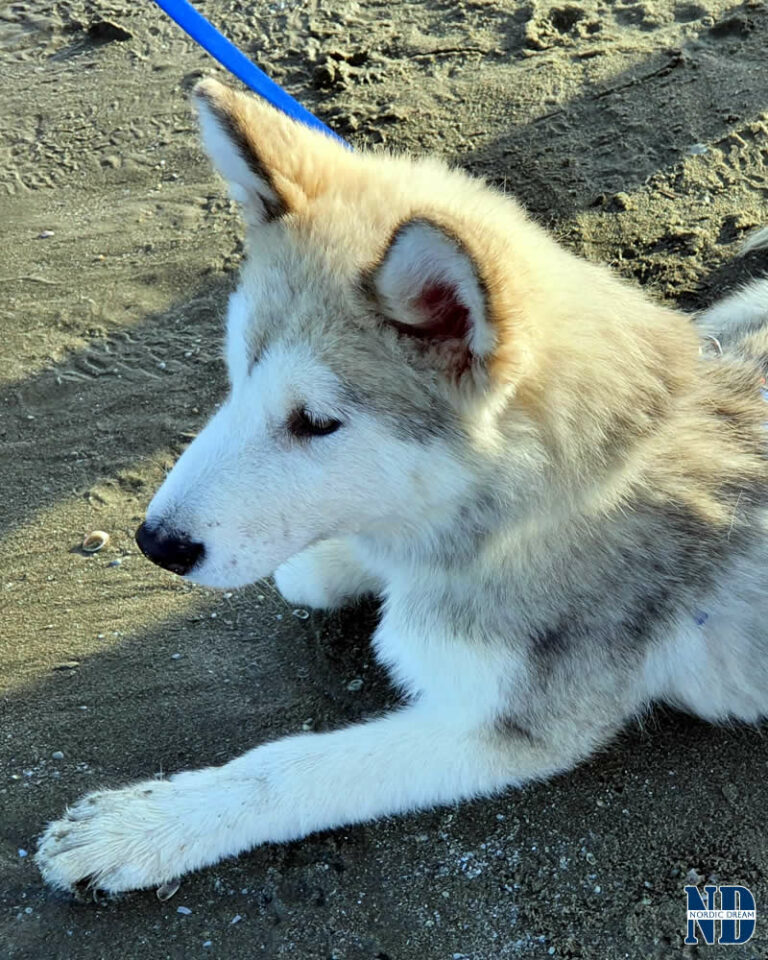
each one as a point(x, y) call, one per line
point(236, 62)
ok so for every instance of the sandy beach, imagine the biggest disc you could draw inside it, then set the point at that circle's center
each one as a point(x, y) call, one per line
point(636, 131)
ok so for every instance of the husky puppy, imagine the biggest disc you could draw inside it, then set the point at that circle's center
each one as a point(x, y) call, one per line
point(554, 485)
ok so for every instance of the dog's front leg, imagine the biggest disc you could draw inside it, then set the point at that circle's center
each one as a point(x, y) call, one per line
point(154, 831)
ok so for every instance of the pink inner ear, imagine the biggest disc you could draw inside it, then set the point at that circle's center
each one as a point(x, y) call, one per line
point(446, 317)
point(445, 321)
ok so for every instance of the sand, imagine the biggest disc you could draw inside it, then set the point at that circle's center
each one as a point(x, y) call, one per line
point(638, 133)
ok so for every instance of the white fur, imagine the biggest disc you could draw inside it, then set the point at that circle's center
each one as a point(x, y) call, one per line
point(154, 831)
point(757, 240)
point(748, 304)
point(248, 189)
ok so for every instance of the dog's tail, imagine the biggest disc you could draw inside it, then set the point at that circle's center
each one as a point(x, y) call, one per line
point(744, 312)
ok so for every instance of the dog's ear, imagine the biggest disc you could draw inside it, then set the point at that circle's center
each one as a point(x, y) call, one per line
point(429, 288)
point(273, 165)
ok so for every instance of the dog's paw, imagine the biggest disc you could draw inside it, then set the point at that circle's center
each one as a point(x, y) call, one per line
point(115, 840)
point(324, 577)
point(299, 584)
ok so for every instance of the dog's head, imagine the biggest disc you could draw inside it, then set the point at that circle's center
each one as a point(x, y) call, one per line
point(379, 323)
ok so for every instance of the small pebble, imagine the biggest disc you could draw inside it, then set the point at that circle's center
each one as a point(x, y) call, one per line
point(95, 540)
point(57, 755)
point(184, 911)
point(236, 919)
point(207, 943)
point(23, 853)
point(44, 234)
point(115, 563)
point(175, 656)
point(167, 890)
point(356, 684)
point(301, 614)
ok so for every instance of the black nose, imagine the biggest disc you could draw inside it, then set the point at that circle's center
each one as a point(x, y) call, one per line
point(171, 550)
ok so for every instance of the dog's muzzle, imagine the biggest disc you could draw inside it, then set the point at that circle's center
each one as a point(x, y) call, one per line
point(169, 549)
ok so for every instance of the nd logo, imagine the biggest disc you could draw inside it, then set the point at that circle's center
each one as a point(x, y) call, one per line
point(735, 914)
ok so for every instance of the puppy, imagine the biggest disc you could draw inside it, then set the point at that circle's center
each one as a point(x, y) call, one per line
point(556, 491)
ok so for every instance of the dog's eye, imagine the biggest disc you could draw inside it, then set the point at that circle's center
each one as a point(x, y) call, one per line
point(302, 424)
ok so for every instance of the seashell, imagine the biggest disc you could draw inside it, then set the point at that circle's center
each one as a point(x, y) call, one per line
point(94, 541)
